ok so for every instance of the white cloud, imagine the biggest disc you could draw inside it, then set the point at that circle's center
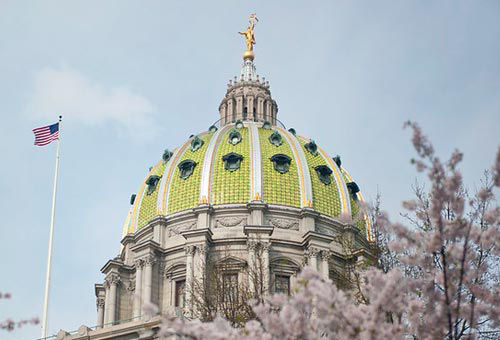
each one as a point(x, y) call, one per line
point(68, 92)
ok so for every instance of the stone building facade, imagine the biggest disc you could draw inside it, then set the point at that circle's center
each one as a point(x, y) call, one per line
point(246, 183)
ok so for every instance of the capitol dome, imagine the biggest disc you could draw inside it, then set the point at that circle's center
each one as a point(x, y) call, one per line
point(247, 156)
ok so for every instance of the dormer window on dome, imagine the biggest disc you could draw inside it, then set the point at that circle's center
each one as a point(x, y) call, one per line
point(337, 160)
point(353, 189)
point(324, 174)
point(267, 125)
point(281, 163)
point(196, 143)
point(239, 124)
point(312, 147)
point(234, 137)
point(186, 168)
point(275, 138)
point(212, 129)
point(292, 131)
point(167, 154)
point(152, 182)
point(232, 161)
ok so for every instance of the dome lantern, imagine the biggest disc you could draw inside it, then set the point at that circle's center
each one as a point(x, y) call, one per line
point(248, 98)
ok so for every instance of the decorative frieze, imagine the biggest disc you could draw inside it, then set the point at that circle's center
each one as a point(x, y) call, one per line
point(230, 221)
point(176, 230)
point(284, 223)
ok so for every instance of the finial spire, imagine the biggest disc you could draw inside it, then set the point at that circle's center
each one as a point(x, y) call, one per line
point(249, 37)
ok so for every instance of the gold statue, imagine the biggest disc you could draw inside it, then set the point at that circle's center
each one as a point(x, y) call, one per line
point(249, 37)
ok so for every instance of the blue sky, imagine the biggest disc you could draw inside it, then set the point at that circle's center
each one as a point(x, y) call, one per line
point(133, 78)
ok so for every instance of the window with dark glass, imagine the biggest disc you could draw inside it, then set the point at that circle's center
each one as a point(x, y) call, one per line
point(230, 282)
point(180, 293)
point(282, 284)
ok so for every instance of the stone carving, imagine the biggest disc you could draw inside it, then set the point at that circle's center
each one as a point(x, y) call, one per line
point(112, 279)
point(190, 250)
point(149, 260)
point(324, 255)
point(202, 249)
point(252, 245)
point(258, 245)
point(266, 246)
point(131, 286)
point(325, 230)
point(312, 252)
point(181, 227)
point(229, 221)
point(284, 223)
point(100, 302)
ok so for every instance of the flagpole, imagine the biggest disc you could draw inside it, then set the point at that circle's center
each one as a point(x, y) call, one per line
point(51, 236)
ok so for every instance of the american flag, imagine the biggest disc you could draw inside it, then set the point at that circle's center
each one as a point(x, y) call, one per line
point(45, 135)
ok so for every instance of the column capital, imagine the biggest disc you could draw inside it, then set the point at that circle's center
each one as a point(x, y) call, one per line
point(149, 260)
point(112, 279)
point(312, 251)
point(190, 250)
point(202, 248)
point(324, 255)
point(139, 263)
point(252, 245)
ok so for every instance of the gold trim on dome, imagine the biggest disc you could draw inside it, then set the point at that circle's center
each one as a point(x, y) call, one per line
point(300, 171)
point(138, 200)
point(222, 134)
point(361, 198)
point(338, 179)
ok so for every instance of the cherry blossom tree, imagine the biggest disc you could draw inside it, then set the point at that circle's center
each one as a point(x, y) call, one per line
point(443, 281)
point(9, 324)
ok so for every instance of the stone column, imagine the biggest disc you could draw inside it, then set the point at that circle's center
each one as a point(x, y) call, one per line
point(324, 256)
point(106, 303)
point(199, 262)
point(266, 246)
point(113, 282)
point(148, 278)
point(253, 270)
point(190, 250)
point(137, 303)
point(100, 312)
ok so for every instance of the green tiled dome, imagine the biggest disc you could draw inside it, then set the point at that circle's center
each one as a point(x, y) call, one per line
point(240, 163)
